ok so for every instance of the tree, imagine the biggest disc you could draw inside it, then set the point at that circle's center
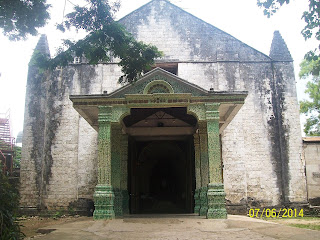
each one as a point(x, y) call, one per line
point(311, 108)
point(19, 18)
point(17, 156)
point(310, 66)
point(9, 202)
point(312, 27)
point(106, 39)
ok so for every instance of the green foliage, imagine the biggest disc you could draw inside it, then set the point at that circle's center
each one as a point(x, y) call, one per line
point(93, 16)
point(17, 156)
point(306, 226)
point(311, 17)
point(271, 6)
point(106, 39)
point(312, 27)
point(312, 59)
point(9, 202)
point(311, 108)
point(58, 214)
point(19, 18)
point(307, 68)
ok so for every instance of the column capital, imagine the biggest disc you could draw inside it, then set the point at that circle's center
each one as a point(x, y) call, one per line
point(212, 106)
point(212, 111)
point(105, 114)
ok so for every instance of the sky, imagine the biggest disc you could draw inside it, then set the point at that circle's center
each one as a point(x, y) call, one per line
point(241, 19)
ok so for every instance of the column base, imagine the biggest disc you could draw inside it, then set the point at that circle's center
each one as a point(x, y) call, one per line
point(103, 202)
point(216, 201)
point(217, 214)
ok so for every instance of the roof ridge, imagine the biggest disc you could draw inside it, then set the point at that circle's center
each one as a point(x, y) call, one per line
point(209, 24)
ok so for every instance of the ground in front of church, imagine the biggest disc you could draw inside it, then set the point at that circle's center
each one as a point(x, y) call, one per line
point(156, 227)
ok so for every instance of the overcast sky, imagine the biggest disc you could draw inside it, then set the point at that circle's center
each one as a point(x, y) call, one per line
point(242, 19)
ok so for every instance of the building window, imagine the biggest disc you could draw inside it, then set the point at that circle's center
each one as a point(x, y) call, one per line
point(77, 60)
point(170, 67)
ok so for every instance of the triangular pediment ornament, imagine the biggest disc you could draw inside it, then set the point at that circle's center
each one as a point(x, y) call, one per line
point(158, 86)
point(159, 81)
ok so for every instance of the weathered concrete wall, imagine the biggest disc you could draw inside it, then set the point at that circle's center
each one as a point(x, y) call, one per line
point(59, 168)
point(261, 148)
point(311, 152)
point(250, 167)
point(34, 135)
point(183, 37)
point(33, 141)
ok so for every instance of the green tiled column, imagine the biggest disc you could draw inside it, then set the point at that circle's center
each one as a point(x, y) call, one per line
point(104, 196)
point(116, 167)
point(204, 165)
point(124, 173)
point(216, 194)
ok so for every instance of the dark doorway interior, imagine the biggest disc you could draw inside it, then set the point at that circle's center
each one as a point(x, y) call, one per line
point(161, 176)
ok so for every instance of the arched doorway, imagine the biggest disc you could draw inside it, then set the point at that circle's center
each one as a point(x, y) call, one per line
point(161, 160)
point(161, 176)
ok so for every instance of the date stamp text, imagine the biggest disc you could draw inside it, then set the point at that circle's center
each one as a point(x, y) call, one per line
point(275, 213)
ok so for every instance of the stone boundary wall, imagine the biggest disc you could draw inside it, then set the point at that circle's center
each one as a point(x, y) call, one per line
point(311, 153)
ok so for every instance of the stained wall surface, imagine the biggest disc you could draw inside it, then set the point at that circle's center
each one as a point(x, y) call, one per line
point(311, 153)
point(261, 148)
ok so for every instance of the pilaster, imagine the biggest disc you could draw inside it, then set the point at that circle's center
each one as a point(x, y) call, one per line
point(124, 173)
point(116, 167)
point(204, 166)
point(197, 159)
point(104, 196)
point(204, 163)
point(216, 194)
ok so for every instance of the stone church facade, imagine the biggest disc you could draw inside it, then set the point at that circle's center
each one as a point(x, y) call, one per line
point(213, 128)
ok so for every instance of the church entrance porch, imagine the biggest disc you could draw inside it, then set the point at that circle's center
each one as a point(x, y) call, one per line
point(160, 130)
point(161, 160)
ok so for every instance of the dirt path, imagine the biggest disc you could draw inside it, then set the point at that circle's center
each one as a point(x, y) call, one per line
point(32, 226)
point(168, 227)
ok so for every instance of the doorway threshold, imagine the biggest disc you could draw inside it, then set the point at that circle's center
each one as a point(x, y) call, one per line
point(153, 215)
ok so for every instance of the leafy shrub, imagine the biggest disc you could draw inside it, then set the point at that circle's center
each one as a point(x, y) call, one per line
point(9, 203)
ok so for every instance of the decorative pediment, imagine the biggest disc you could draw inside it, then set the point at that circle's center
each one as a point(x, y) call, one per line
point(159, 81)
point(161, 91)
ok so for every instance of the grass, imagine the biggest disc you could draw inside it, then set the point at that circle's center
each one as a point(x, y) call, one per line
point(307, 226)
point(313, 225)
point(301, 218)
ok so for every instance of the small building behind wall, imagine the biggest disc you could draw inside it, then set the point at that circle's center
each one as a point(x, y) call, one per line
point(311, 152)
